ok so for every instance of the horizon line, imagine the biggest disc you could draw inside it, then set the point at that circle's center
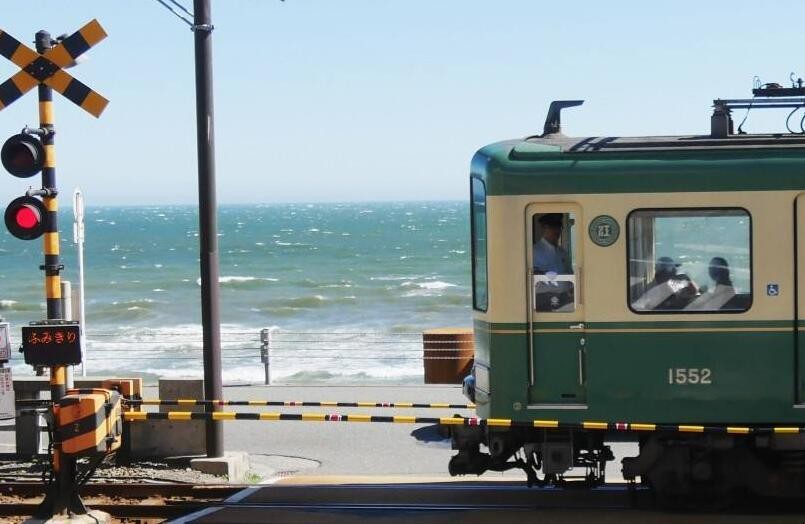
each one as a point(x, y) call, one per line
point(68, 205)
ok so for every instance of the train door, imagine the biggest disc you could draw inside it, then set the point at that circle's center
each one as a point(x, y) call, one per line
point(555, 305)
point(799, 227)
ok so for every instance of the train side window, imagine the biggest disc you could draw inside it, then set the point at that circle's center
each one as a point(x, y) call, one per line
point(553, 262)
point(689, 260)
point(480, 280)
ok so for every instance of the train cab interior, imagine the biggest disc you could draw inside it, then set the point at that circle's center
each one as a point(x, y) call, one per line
point(553, 262)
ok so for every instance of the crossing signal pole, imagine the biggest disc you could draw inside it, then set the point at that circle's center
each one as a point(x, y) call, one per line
point(24, 155)
point(64, 496)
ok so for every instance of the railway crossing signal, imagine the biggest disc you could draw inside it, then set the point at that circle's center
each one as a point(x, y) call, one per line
point(25, 217)
point(23, 155)
point(46, 68)
point(29, 217)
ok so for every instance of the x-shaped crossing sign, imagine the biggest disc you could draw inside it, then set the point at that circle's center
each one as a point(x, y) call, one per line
point(47, 68)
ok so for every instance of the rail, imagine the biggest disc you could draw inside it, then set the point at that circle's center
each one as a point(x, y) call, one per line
point(275, 350)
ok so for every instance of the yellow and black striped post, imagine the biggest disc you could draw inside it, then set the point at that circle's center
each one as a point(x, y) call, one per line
point(51, 238)
point(62, 496)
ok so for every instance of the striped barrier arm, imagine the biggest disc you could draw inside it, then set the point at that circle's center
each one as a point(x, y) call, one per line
point(292, 403)
point(134, 416)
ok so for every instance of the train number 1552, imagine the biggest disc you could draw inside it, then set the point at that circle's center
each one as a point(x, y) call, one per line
point(689, 376)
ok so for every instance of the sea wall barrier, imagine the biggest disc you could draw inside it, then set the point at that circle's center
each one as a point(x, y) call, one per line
point(441, 355)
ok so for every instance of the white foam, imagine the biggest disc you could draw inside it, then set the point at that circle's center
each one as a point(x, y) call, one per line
point(436, 285)
point(238, 279)
point(175, 351)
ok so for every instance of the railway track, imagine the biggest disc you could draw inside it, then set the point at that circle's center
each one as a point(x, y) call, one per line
point(140, 500)
point(468, 502)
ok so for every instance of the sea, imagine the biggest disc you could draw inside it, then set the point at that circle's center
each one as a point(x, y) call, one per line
point(345, 289)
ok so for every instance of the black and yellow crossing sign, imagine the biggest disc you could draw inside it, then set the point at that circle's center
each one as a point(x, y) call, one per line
point(47, 69)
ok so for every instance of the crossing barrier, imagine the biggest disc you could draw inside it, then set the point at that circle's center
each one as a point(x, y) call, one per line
point(134, 416)
point(292, 403)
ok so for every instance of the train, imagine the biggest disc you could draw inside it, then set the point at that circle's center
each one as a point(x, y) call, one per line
point(647, 289)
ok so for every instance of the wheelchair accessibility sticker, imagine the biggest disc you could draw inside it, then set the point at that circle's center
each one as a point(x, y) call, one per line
point(773, 290)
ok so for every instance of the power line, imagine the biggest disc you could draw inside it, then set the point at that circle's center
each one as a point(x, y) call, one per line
point(178, 15)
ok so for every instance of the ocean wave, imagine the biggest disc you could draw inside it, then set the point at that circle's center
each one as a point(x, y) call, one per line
point(359, 377)
point(438, 284)
point(14, 305)
point(240, 281)
point(129, 311)
point(426, 289)
point(393, 278)
point(435, 285)
point(312, 301)
point(309, 283)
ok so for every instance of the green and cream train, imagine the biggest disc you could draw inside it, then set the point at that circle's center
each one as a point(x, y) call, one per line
point(646, 288)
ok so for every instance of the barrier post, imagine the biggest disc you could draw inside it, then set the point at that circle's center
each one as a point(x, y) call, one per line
point(265, 346)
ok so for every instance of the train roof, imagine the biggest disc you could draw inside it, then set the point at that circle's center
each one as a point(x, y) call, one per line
point(556, 164)
point(665, 143)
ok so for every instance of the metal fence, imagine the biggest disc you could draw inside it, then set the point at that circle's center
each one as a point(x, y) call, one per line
point(268, 347)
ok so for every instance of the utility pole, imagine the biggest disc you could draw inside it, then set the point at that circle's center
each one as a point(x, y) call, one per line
point(208, 223)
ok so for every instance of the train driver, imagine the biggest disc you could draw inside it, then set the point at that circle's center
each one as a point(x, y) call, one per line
point(549, 256)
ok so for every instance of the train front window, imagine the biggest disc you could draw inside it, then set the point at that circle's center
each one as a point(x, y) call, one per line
point(553, 262)
point(690, 261)
point(480, 289)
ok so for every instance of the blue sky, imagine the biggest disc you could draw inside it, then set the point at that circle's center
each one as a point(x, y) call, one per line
point(325, 100)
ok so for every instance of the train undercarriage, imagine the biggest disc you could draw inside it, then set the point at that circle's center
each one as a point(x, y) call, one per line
point(679, 468)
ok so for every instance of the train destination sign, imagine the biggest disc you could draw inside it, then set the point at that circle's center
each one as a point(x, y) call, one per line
point(51, 344)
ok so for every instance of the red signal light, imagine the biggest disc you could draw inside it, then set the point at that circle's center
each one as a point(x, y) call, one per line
point(25, 218)
point(23, 155)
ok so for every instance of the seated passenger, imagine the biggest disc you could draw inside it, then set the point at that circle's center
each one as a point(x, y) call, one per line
point(722, 291)
point(668, 290)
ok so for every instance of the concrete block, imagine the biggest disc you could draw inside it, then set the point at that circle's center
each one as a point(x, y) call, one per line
point(173, 388)
point(167, 438)
point(234, 465)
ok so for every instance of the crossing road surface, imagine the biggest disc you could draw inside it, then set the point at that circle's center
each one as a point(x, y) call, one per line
point(462, 502)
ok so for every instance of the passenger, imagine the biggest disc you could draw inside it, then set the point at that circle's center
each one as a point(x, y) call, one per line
point(549, 256)
point(722, 292)
point(668, 291)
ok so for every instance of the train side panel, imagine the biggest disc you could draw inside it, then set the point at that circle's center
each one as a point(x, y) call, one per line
point(633, 361)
